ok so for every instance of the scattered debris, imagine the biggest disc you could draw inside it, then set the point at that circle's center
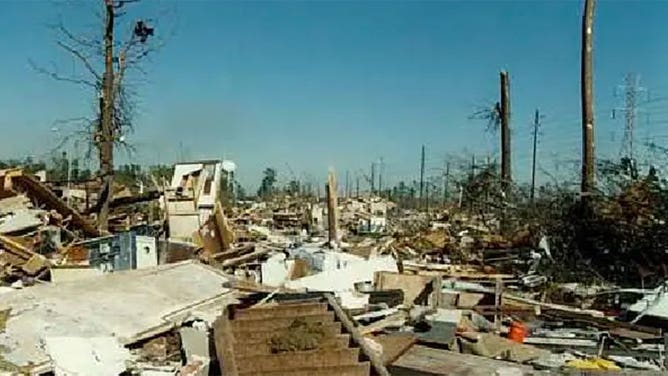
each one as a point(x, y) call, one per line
point(346, 286)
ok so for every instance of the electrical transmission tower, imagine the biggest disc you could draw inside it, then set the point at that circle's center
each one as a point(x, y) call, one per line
point(631, 92)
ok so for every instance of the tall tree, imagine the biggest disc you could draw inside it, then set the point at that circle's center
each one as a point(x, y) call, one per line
point(107, 62)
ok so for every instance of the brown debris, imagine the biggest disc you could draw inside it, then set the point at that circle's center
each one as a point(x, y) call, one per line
point(4, 316)
point(215, 235)
point(299, 336)
point(162, 348)
point(16, 182)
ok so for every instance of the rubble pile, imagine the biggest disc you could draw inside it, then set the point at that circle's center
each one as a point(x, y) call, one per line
point(183, 284)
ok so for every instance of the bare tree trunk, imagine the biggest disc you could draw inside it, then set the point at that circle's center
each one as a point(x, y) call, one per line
point(587, 92)
point(421, 204)
point(106, 137)
point(506, 176)
point(331, 211)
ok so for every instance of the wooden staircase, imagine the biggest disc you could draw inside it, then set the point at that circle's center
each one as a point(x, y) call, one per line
point(243, 335)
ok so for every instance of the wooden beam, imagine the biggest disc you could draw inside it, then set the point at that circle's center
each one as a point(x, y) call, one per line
point(376, 361)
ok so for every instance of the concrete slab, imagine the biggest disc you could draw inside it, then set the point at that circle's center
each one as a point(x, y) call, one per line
point(195, 344)
point(20, 220)
point(124, 305)
point(76, 356)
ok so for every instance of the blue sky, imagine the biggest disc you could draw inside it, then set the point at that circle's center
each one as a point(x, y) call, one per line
point(311, 85)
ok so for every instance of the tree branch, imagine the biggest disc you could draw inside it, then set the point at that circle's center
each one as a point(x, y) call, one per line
point(58, 77)
point(80, 41)
point(120, 4)
point(82, 58)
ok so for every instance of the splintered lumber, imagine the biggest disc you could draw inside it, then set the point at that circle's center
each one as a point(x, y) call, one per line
point(215, 235)
point(13, 245)
point(16, 181)
point(456, 271)
point(234, 252)
point(591, 317)
point(246, 258)
point(32, 262)
point(224, 229)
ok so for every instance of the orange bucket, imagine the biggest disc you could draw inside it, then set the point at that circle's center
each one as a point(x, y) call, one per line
point(517, 332)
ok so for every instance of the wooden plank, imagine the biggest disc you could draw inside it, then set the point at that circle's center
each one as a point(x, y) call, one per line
point(360, 369)
point(412, 285)
point(340, 341)
point(241, 327)
point(273, 311)
point(422, 360)
point(44, 196)
point(395, 345)
point(16, 247)
point(297, 359)
point(376, 361)
point(329, 330)
point(224, 229)
point(246, 258)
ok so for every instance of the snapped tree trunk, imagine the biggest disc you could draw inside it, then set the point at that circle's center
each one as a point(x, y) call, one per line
point(106, 131)
point(587, 93)
point(332, 221)
point(506, 176)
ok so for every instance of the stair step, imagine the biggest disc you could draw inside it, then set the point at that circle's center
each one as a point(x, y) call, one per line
point(280, 311)
point(289, 361)
point(361, 369)
point(341, 341)
point(243, 326)
point(330, 330)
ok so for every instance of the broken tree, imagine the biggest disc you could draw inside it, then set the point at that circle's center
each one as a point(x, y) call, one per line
point(114, 118)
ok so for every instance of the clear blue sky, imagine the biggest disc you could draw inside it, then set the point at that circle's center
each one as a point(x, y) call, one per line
point(319, 84)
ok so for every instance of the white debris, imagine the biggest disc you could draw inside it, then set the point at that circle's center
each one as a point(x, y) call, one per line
point(344, 279)
point(631, 362)
point(509, 371)
point(275, 270)
point(78, 356)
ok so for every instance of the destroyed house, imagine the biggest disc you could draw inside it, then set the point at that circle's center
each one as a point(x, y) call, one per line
point(192, 195)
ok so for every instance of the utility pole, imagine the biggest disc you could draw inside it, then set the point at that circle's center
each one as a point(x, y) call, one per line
point(380, 177)
point(373, 178)
point(506, 175)
point(422, 176)
point(446, 183)
point(536, 124)
point(106, 128)
point(427, 197)
point(587, 98)
point(347, 184)
point(357, 187)
point(631, 89)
